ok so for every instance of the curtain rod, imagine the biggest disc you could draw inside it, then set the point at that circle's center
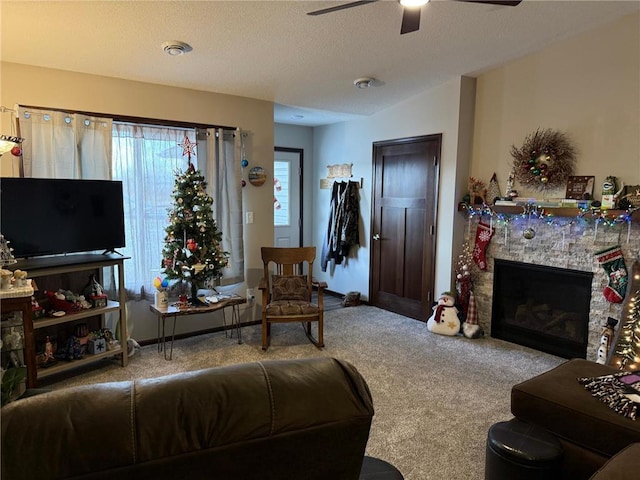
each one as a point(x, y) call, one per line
point(137, 120)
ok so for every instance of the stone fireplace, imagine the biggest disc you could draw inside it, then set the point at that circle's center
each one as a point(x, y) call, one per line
point(546, 308)
point(563, 243)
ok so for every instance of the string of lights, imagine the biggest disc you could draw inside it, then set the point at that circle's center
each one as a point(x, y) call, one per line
point(627, 350)
point(535, 212)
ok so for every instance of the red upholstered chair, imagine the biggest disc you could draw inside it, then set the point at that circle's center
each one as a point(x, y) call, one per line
point(287, 287)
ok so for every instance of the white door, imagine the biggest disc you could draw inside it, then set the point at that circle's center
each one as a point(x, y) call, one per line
point(287, 177)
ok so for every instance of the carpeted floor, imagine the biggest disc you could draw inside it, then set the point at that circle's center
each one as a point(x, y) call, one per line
point(435, 396)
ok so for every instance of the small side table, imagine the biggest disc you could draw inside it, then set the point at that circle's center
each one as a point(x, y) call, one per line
point(172, 311)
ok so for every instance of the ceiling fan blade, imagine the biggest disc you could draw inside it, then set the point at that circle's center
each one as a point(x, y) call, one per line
point(410, 20)
point(506, 3)
point(344, 6)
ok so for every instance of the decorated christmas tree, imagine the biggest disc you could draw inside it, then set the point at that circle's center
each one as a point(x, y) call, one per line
point(192, 251)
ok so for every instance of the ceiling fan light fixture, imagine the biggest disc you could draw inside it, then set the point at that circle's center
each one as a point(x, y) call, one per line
point(176, 48)
point(413, 3)
point(364, 82)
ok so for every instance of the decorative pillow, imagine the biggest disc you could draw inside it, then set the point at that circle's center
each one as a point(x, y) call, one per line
point(619, 391)
point(289, 287)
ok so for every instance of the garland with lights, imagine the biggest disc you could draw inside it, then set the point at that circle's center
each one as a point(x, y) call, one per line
point(598, 216)
point(546, 159)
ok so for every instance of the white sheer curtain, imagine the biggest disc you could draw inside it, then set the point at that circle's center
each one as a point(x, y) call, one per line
point(64, 145)
point(146, 159)
point(94, 147)
point(224, 176)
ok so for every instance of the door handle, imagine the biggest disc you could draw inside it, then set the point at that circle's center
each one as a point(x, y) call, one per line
point(376, 236)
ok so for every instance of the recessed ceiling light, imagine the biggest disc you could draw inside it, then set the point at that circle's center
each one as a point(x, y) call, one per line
point(175, 47)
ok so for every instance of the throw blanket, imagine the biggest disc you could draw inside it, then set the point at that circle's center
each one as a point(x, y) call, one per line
point(620, 391)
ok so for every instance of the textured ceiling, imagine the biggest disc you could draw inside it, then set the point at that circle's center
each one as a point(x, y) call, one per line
point(273, 50)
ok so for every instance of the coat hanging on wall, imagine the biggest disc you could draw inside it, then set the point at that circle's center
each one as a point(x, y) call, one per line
point(342, 230)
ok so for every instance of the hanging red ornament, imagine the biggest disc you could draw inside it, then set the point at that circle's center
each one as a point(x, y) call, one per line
point(16, 151)
point(244, 182)
point(192, 245)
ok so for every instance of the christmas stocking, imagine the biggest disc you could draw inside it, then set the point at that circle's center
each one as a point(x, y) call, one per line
point(612, 261)
point(483, 237)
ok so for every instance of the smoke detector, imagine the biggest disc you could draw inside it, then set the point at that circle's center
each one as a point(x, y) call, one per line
point(175, 47)
point(364, 82)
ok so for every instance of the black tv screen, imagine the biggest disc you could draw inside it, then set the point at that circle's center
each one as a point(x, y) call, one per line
point(43, 216)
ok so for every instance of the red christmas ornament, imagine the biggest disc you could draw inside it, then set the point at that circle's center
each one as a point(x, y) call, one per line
point(16, 151)
point(192, 245)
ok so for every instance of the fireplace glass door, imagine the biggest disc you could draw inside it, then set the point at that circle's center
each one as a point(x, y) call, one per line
point(545, 308)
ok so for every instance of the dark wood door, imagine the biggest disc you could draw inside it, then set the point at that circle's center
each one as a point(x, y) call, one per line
point(403, 225)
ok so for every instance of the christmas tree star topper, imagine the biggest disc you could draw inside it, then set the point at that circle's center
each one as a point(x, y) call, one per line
point(188, 148)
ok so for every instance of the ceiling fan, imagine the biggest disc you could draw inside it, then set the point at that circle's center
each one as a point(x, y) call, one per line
point(411, 10)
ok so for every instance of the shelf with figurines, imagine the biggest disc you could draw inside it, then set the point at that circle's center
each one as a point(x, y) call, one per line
point(617, 206)
point(83, 347)
point(66, 311)
point(59, 316)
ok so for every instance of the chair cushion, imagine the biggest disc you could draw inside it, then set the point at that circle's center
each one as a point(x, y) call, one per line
point(289, 287)
point(291, 307)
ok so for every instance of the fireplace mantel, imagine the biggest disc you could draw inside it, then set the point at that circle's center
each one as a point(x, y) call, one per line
point(555, 211)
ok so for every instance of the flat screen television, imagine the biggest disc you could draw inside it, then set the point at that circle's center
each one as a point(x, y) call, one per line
point(44, 216)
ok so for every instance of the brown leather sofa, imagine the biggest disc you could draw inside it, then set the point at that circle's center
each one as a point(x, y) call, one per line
point(290, 419)
point(598, 443)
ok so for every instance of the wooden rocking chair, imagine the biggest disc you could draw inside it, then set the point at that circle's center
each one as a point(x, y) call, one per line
point(287, 291)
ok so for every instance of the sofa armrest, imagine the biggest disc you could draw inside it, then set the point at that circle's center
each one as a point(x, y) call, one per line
point(624, 465)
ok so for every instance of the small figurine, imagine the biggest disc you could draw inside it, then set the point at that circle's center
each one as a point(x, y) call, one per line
point(48, 351)
point(20, 278)
point(444, 319)
point(5, 279)
point(606, 340)
point(609, 187)
point(477, 191)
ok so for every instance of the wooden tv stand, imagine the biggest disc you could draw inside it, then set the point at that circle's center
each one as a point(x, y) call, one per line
point(70, 272)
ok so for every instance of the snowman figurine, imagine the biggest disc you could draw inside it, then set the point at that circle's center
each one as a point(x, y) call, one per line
point(444, 319)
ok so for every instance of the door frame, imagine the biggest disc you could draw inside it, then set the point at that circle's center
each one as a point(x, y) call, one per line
point(300, 153)
point(430, 254)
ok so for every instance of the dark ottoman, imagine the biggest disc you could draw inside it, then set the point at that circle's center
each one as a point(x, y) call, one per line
point(376, 469)
point(519, 450)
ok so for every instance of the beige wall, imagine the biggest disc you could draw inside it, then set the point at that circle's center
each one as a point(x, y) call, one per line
point(50, 88)
point(587, 87)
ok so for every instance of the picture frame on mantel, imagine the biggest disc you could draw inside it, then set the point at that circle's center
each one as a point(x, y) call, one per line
point(580, 187)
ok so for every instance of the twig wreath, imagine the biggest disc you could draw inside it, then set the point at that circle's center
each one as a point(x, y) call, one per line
point(546, 159)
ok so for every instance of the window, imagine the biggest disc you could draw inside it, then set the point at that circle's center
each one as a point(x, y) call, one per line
point(281, 178)
point(146, 159)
